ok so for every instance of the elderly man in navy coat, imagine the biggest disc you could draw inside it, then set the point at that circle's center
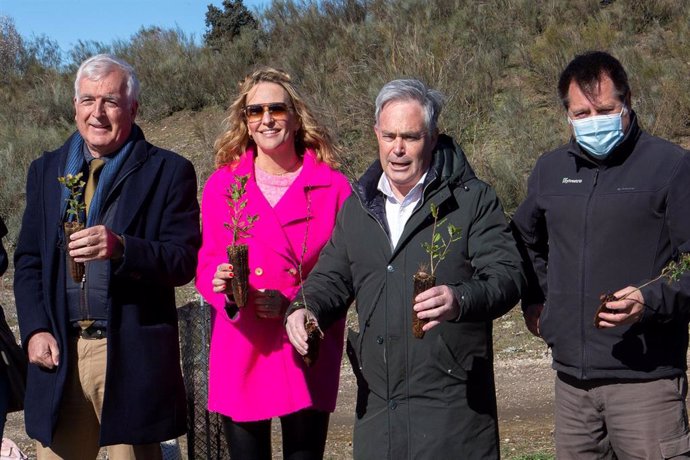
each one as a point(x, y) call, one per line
point(104, 348)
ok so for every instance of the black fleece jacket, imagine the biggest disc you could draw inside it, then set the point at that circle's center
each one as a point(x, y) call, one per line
point(587, 228)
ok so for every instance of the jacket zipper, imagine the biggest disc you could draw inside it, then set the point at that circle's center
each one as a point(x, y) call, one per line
point(84, 298)
point(83, 294)
point(373, 307)
point(583, 372)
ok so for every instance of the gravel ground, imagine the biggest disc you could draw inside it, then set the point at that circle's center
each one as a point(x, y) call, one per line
point(524, 389)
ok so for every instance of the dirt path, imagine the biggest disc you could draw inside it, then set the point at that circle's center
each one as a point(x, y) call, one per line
point(524, 390)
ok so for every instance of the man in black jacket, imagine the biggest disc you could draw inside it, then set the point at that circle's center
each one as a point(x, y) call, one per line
point(431, 397)
point(604, 213)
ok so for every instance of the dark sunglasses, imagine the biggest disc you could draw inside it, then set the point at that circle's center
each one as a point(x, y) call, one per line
point(277, 110)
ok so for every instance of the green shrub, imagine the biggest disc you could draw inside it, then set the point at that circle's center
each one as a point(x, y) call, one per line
point(20, 146)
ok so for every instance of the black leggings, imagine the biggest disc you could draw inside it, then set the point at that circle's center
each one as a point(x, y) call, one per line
point(304, 436)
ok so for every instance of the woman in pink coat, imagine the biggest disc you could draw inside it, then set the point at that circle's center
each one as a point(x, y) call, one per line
point(293, 188)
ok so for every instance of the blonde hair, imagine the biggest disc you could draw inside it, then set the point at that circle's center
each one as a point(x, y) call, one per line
point(230, 145)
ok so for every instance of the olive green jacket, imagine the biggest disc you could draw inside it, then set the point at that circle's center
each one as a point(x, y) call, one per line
point(432, 397)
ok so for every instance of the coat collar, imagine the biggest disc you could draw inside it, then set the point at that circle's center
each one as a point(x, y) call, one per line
point(314, 173)
point(448, 165)
point(138, 185)
point(294, 207)
point(449, 169)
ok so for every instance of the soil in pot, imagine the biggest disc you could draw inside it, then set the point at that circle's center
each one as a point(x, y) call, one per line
point(76, 269)
point(421, 282)
point(238, 256)
point(314, 336)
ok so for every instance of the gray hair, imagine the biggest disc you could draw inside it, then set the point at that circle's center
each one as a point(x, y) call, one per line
point(100, 65)
point(412, 90)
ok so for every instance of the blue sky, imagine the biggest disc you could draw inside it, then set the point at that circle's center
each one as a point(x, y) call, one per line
point(67, 21)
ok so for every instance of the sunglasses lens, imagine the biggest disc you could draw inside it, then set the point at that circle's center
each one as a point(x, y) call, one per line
point(277, 110)
point(254, 112)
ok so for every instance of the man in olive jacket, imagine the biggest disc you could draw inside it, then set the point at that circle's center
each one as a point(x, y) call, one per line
point(431, 397)
point(104, 351)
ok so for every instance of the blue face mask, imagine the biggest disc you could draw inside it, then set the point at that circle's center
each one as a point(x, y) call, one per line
point(599, 134)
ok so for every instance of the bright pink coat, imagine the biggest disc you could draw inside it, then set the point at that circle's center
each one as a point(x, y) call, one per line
point(254, 372)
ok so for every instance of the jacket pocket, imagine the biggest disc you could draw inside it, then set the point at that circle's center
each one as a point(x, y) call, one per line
point(447, 363)
point(352, 349)
point(555, 321)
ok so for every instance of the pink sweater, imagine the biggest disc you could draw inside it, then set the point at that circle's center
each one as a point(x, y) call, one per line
point(254, 372)
point(274, 187)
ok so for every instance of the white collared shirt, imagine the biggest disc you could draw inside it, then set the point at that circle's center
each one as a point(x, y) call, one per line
point(398, 212)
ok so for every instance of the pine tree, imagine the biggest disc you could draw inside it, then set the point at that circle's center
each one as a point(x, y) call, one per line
point(226, 24)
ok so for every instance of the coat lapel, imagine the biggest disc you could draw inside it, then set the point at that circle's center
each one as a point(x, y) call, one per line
point(53, 231)
point(293, 207)
point(268, 227)
point(140, 171)
point(296, 204)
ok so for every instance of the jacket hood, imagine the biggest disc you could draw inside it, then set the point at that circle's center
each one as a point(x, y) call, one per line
point(448, 165)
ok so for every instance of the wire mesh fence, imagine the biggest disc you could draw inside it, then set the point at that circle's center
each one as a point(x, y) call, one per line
point(204, 429)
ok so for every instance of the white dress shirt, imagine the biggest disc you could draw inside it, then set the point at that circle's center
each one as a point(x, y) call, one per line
point(398, 212)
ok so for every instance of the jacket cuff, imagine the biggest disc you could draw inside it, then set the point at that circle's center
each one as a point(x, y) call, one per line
point(293, 307)
point(460, 299)
point(648, 310)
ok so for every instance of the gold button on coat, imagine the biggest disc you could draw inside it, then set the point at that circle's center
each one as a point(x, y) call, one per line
point(258, 271)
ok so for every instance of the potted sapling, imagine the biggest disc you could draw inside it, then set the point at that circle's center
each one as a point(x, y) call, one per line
point(239, 226)
point(425, 278)
point(314, 332)
point(314, 337)
point(671, 272)
point(75, 212)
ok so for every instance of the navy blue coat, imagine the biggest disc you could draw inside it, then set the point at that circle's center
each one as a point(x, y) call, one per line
point(158, 216)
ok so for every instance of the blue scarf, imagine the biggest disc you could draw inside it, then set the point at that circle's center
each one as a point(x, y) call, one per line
point(75, 165)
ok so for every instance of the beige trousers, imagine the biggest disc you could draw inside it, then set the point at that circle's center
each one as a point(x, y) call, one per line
point(77, 433)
